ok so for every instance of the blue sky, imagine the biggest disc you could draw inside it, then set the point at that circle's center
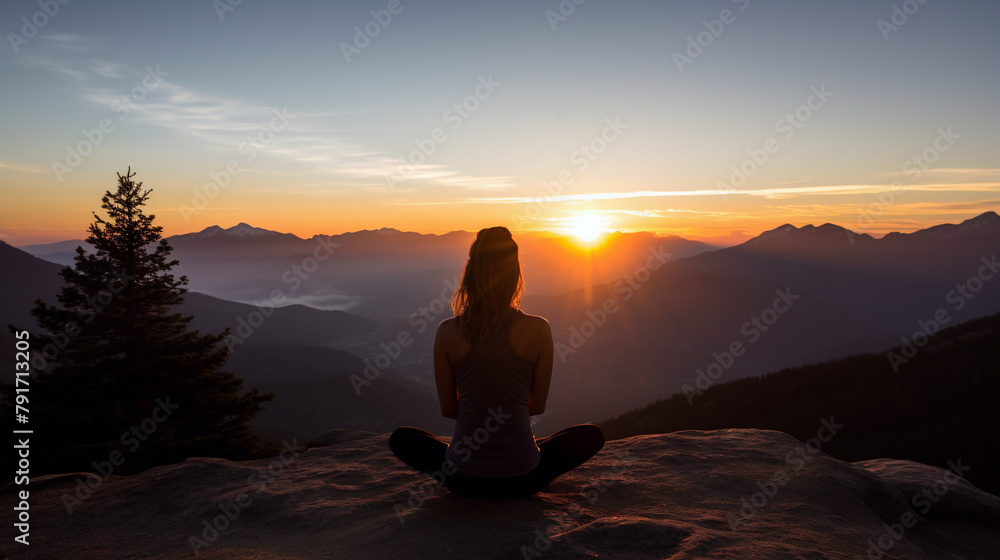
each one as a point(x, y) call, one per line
point(345, 159)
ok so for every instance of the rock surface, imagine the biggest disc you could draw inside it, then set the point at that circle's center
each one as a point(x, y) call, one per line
point(693, 494)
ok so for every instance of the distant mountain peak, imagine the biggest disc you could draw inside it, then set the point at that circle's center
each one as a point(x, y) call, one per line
point(244, 229)
point(780, 231)
point(988, 219)
point(806, 235)
point(211, 231)
point(985, 224)
point(241, 229)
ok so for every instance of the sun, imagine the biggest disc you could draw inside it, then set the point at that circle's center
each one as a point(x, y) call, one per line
point(587, 227)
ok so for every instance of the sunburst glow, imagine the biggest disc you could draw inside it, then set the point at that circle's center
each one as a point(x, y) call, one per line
point(587, 227)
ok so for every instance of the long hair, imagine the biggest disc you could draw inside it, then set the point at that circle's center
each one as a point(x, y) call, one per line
point(491, 285)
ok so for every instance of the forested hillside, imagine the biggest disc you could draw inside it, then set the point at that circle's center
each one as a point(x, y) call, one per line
point(939, 406)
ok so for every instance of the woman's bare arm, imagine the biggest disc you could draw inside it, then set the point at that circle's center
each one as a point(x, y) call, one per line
point(443, 376)
point(542, 339)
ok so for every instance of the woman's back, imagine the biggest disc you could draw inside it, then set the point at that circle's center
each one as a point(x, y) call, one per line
point(493, 379)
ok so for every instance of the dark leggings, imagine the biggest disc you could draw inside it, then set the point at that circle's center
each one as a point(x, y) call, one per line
point(559, 453)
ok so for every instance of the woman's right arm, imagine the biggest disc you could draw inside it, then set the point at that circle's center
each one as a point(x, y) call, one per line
point(443, 376)
point(539, 393)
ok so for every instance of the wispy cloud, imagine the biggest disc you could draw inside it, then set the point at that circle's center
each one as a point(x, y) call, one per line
point(41, 60)
point(769, 193)
point(106, 69)
point(224, 123)
point(663, 212)
point(310, 138)
point(70, 42)
point(956, 172)
point(22, 168)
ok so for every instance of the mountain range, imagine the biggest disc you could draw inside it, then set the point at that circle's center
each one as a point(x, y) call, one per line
point(634, 319)
point(791, 296)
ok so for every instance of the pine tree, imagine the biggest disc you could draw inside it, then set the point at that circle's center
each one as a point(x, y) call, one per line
point(130, 378)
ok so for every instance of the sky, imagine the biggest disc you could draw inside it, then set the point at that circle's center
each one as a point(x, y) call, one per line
point(712, 120)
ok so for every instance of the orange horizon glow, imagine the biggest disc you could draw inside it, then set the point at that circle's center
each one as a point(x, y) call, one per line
point(35, 211)
point(586, 233)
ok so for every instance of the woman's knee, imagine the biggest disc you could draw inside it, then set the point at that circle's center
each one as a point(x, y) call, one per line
point(595, 436)
point(398, 436)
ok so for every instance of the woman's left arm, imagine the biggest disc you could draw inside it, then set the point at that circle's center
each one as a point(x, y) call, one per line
point(539, 392)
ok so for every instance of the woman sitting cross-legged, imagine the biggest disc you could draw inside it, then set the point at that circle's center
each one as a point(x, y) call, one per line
point(492, 367)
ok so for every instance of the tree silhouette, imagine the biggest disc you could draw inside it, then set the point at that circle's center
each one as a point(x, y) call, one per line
point(131, 387)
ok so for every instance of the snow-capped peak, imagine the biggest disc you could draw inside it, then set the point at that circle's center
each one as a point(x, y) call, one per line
point(244, 229)
point(779, 231)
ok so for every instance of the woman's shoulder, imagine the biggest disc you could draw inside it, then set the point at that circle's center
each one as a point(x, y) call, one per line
point(449, 340)
point(524, 326)
point(448, 328)
point(533, 324)
point(530, 335)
